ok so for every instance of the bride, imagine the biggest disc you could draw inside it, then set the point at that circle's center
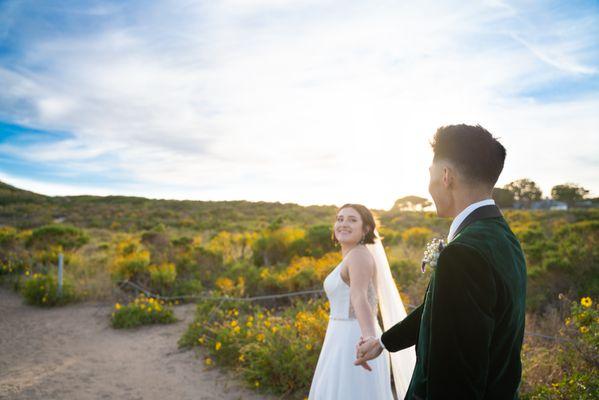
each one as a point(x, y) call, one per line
point(356, 289)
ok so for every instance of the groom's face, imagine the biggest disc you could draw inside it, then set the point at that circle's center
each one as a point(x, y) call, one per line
point(439, 187)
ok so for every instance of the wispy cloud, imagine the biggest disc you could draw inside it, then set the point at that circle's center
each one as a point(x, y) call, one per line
point(304, 101)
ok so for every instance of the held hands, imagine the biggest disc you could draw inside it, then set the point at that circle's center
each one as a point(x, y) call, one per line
point(367, 349)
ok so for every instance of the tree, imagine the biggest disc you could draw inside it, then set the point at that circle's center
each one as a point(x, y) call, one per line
point(411, 203)
point(503, 197)
point(524, 190)
point(568, 192)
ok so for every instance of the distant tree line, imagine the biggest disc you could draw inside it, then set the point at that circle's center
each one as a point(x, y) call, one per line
point(522, 192)
point(525, 191)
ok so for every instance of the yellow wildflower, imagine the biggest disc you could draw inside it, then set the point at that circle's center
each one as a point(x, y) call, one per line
point(568, 321)
point(217, 346)
point(241, 358)
point(236, 312)
point(250, 318)
point(308, 346)
point(202, 339)
point(275, 329)
point(584, 329)
point(248, 324)
point(586, 302)
point(236, 329)
point(267, 324)
point(260, 337)
point(257, 384)
point(234, 323)
point(208, 361)
point(117, 306)
point(27, 273)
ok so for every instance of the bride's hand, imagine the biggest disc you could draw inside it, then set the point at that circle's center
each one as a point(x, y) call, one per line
point(363, 364)
point(368, 349)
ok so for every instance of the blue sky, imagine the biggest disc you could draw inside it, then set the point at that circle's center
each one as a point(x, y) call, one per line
point(312, 102)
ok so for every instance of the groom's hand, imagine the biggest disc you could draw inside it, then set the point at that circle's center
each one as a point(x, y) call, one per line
point(367, 349)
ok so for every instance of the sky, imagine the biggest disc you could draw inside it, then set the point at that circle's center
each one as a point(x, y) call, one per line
point(310, 102)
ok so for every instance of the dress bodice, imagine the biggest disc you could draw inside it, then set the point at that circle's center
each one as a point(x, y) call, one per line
point(337, 292)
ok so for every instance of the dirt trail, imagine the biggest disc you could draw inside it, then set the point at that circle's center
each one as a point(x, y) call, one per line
point(72, 353)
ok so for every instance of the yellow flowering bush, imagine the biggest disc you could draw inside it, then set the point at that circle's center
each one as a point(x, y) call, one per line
point(141, 311)
point(302, 273)
point(582, 328)
point(163, 276)
point(42, 290)
point(131, 260)
point(229, 287)
point(578, 356)
point(274, 350)
point(417, 236)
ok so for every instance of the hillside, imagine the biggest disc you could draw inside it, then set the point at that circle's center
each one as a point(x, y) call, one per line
point(23, 209)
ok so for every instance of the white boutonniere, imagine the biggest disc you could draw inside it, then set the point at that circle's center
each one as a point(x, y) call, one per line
point(432, 252)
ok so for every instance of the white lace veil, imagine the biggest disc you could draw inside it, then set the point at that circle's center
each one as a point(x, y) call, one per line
point(392, 311)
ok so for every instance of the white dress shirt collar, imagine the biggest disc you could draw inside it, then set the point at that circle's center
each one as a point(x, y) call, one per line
point(465, 212)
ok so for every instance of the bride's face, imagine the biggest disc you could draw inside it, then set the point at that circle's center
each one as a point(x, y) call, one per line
point(349, 228)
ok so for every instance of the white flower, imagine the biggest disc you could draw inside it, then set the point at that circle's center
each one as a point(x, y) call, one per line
point(432, 252)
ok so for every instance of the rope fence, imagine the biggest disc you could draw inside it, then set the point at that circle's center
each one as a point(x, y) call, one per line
point(275, 296)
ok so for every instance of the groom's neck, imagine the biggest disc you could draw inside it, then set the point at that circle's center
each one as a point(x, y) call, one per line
point(464, 197)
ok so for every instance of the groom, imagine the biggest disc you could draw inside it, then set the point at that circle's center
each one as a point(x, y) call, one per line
point(468, 331)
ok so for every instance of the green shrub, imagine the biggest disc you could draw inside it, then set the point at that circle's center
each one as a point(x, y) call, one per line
point(42, 290)
point(142, 311)
point(68, 237)
point(187, 287)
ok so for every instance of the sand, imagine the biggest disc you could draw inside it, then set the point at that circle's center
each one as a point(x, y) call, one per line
point(71, 352)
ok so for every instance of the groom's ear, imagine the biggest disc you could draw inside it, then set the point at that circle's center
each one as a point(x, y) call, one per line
point(449, 176)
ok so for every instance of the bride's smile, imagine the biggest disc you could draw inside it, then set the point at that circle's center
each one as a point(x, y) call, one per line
point(349, 228)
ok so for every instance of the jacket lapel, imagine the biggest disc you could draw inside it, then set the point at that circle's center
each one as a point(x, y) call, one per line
point(490, 211)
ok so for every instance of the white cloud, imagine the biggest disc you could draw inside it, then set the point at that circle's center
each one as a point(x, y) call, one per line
point(308, 102)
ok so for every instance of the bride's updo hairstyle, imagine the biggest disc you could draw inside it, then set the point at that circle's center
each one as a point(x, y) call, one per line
point(367, 221)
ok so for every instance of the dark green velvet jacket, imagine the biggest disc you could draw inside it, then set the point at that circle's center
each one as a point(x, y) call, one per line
point(469, 330)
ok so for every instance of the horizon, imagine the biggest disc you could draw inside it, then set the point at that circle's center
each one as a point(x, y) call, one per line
point(430, 208)
point(304, 102)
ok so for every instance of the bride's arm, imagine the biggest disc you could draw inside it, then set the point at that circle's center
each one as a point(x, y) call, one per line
point(361, 270)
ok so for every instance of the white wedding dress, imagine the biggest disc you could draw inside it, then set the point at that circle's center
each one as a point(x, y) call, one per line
point(336, 376)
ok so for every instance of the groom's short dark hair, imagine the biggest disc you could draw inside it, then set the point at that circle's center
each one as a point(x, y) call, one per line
point(477, 155)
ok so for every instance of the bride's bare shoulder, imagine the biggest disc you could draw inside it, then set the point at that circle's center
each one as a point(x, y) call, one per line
point(360, 257)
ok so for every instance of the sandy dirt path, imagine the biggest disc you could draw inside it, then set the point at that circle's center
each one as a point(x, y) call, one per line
point(71, 352)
